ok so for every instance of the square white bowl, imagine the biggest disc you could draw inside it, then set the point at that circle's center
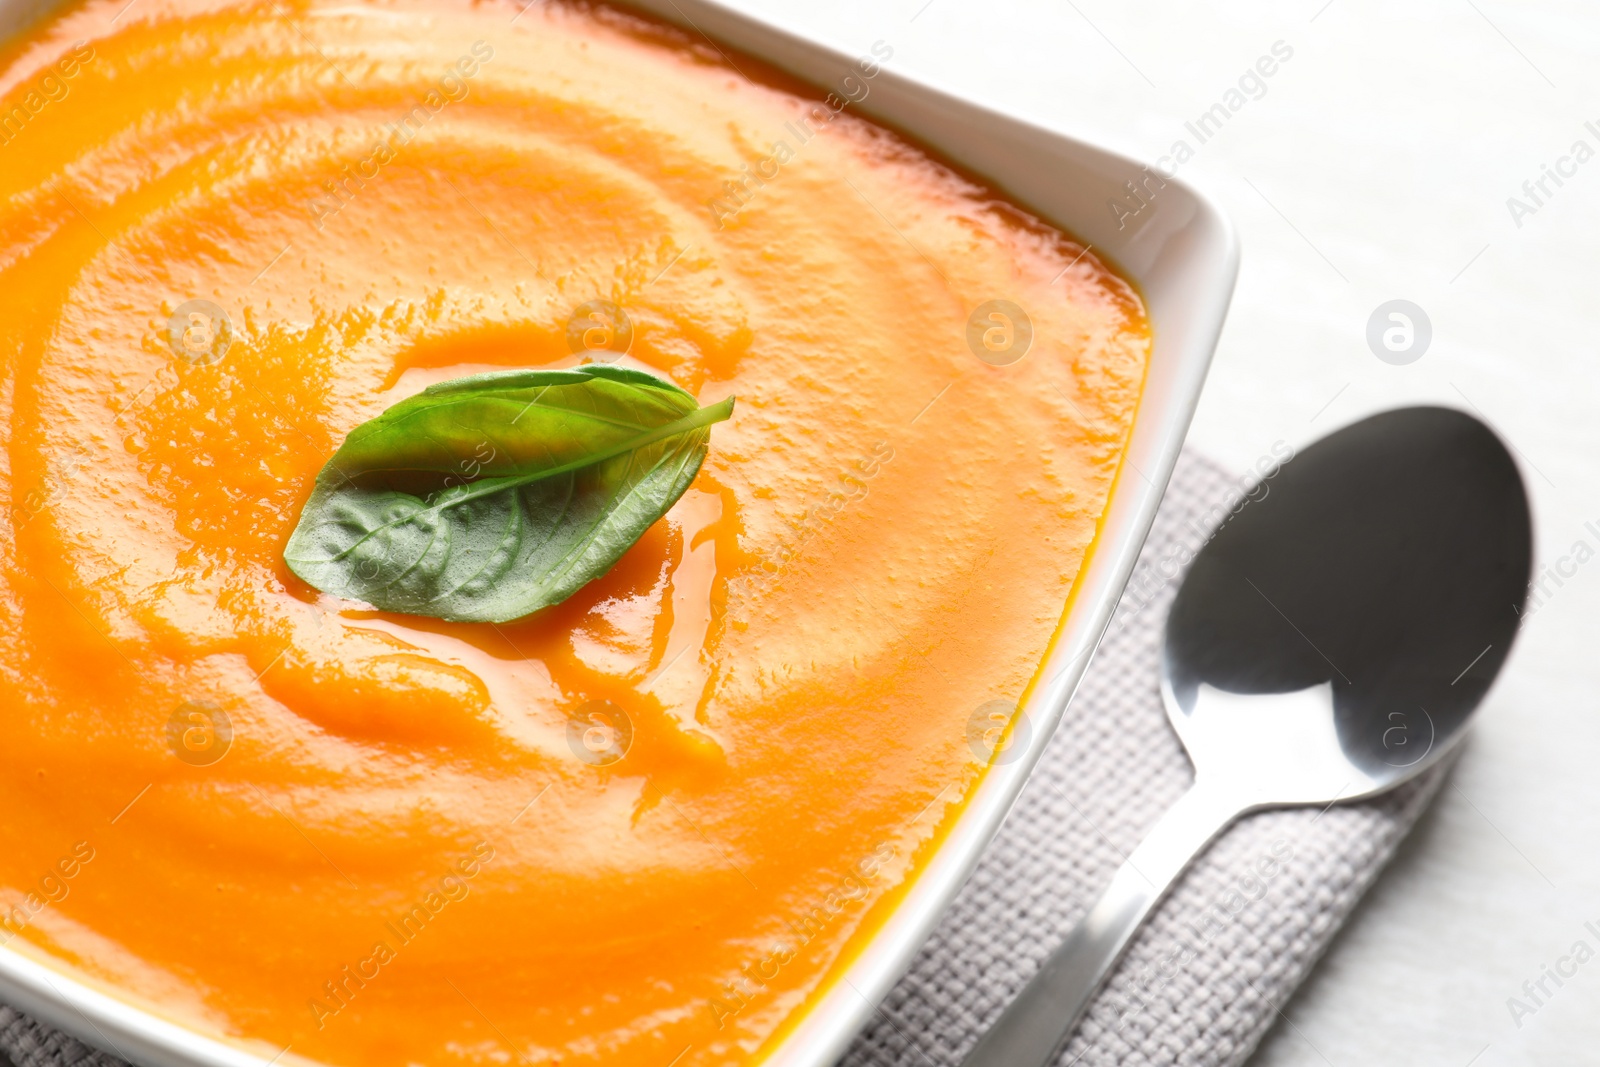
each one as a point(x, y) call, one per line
point(1181, 253)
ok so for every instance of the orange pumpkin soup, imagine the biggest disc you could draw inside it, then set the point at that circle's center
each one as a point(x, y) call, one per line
point(651, 818)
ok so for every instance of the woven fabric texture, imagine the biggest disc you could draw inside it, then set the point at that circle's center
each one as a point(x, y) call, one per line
point(1203, 980)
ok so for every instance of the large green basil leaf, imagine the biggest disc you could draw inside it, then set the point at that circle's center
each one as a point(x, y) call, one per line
point(485, 498)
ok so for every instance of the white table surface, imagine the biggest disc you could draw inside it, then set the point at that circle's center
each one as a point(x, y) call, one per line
point(1377, 166)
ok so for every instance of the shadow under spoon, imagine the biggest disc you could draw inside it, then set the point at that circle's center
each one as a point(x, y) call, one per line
point(1329, 643)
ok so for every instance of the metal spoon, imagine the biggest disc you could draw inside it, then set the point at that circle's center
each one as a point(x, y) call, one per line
point(1329, 643)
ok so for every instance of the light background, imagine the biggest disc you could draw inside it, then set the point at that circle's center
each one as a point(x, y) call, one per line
point(1377, 166)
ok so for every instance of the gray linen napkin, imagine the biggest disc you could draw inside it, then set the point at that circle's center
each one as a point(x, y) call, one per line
point(1203, 980)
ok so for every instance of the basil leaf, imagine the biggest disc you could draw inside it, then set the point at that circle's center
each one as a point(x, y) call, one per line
point(489, 497)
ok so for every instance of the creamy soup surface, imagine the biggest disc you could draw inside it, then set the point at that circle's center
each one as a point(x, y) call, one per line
point(229, 234)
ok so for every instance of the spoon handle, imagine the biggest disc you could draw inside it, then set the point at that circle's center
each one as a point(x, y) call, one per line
point(1034, 1024)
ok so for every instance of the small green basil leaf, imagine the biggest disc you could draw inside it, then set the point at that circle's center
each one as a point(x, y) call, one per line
point(489, 497)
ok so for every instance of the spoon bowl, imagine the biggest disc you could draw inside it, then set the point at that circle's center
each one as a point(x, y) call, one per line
point(1384, 571)
point(1329, 642)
